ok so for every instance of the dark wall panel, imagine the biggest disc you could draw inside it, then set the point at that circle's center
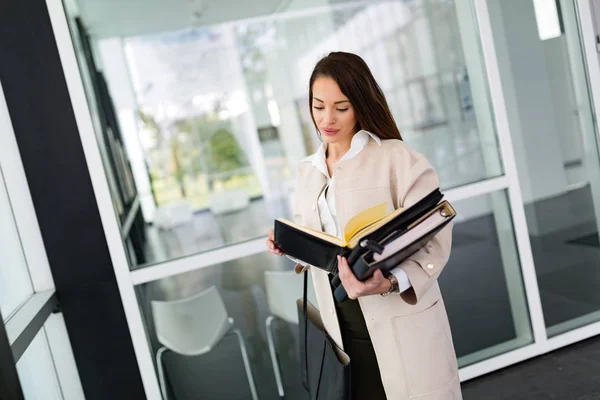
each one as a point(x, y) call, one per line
point(59, 181)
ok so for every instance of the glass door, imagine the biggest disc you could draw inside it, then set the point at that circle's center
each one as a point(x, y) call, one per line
point(542, 69)
point(216, 117)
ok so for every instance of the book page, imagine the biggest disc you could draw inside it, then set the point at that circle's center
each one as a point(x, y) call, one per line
point(364, 219)
point(353, 242)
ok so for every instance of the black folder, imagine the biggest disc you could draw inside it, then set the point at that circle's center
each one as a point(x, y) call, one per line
point(382, 243)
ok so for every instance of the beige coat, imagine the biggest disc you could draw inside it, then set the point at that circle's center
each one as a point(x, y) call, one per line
point(410, 331)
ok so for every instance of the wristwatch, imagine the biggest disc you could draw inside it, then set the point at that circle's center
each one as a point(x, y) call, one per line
point(393, 286)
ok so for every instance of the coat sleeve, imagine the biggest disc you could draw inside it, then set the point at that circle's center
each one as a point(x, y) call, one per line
point(424, 266)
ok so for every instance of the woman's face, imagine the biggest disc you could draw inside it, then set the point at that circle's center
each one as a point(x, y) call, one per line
point(332, 111)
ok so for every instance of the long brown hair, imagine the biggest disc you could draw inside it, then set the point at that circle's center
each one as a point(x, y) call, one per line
point(356, 82)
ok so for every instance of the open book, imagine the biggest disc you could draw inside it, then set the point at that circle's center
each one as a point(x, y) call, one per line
point(366, 234)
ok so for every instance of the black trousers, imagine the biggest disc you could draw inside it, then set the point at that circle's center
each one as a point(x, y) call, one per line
point(366, 380)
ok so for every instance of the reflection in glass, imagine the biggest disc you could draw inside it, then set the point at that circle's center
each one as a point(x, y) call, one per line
point(214, 118)
point(482, 288)
point(556, 153)
point(242, 287)
point(482, 283)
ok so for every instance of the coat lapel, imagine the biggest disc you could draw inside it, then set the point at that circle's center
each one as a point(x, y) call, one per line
point(321, 278)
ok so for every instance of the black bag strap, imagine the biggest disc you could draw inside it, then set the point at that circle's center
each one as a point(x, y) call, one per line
point(304, 307)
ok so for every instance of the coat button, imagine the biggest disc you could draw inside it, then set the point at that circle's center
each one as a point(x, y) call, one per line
point(339, 168)
point(331, 310)
point(430, 266)
point(314, 207)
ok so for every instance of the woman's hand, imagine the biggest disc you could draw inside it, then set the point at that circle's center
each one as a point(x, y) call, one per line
point(271, 244)
point(374, 285)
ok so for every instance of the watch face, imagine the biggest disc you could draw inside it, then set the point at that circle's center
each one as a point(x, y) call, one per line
point(395, 286)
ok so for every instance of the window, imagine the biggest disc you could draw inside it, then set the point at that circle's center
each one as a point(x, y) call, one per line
point(27, 297)
point(15, 284)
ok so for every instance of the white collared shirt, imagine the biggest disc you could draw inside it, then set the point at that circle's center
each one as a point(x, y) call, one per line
point(326, 202)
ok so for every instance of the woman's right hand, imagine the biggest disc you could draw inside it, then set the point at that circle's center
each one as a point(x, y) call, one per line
point(271, 244)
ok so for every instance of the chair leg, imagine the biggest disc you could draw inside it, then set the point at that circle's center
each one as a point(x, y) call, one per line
point(246, 363)
point(273, 352)
point(161, 373)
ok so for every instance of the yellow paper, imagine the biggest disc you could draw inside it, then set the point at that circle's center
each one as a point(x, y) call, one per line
point(363, 220)
point(362, 224)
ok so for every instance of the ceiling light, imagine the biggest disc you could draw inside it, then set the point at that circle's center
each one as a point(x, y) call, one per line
point(548, 18)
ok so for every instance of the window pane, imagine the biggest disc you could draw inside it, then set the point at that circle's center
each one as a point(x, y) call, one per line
point(250, 297)
point(37, 372)
point(15, 284)
point(206, 125)
point(551, 124)
point(482, 283)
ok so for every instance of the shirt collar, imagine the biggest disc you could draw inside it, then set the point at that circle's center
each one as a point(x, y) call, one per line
point(359, 141)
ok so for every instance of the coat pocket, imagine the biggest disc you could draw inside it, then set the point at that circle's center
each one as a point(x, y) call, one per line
point(428, 358)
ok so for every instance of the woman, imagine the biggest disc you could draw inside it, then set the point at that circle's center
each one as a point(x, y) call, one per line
point(395, 329)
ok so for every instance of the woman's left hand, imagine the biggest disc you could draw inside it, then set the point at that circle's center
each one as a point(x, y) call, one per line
point(354, 288)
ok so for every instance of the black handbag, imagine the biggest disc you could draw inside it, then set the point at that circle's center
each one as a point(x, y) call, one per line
point(325, 369)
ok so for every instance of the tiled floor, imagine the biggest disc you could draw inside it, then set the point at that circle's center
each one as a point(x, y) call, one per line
point(570, 373)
